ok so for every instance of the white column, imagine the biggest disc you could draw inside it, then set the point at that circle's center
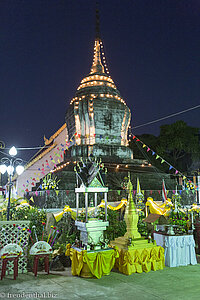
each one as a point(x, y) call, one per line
point(105, 198)
point(95, 203)
point(86, 207)
point(77, 204)
point(198, 184)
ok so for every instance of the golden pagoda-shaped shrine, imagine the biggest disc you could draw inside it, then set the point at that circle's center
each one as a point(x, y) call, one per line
point(132, 238)
point(136, 254)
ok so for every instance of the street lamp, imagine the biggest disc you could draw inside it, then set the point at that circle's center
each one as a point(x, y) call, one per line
point(8, 164)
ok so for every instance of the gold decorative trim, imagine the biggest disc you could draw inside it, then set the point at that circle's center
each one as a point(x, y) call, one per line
point(48, 141)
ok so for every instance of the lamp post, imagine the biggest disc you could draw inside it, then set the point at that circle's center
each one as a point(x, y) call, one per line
point(8, 164)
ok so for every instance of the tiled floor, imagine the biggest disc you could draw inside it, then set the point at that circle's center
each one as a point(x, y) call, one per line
point(169, 284)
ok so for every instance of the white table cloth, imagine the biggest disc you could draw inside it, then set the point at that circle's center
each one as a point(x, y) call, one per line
point(179, 250)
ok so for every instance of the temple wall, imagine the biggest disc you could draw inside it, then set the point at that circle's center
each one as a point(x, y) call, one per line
point(108, 118)
point(102, 125)
point(33, 172)
point(112, 153)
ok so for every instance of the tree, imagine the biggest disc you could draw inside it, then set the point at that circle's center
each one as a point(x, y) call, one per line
point(179, 144)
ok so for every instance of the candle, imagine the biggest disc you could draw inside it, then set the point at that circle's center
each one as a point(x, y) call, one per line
point(192, 220)
point(176, 191)
point(55, 237)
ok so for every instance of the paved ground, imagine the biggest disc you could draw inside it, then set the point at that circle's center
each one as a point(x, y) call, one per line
point(169, 284)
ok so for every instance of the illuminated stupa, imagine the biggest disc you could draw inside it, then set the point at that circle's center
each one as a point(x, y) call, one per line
point(98, 118)
point(97, 123)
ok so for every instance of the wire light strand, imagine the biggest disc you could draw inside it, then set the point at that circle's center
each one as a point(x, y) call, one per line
point(166, 117)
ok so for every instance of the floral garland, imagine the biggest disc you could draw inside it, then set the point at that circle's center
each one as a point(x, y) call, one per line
point(140, 201)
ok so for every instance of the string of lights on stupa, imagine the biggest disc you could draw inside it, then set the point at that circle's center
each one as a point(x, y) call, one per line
point(102, 53)
point(100, 80)
point(94, 55)
point(103, 56)
point(99, 95)
point(98, 77)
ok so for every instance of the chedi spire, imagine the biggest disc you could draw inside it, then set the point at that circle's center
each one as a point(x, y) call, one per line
point(98, 66)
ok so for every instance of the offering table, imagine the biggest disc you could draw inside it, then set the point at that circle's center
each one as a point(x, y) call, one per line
point(179, 250)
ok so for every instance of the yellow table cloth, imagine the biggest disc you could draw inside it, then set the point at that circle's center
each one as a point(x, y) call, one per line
point(92, 264)
point(140, 260)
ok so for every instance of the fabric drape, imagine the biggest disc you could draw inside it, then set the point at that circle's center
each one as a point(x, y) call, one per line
point(140, 260)
point(92, 264)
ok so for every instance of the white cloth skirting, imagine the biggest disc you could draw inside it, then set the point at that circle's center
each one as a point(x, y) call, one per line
point(179, 250)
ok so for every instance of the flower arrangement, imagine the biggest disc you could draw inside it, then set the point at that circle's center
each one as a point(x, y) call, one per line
point(50, 183)
point(124, 183)
point(190, 185)
point(99, 214)
point(36, 217)
point(81, 215)
point(181, 220)
point(176, 199)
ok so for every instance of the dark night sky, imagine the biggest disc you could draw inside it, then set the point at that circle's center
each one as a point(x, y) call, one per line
point(152, 49)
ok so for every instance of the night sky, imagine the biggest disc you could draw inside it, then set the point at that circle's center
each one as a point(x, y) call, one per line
point(152, 49)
